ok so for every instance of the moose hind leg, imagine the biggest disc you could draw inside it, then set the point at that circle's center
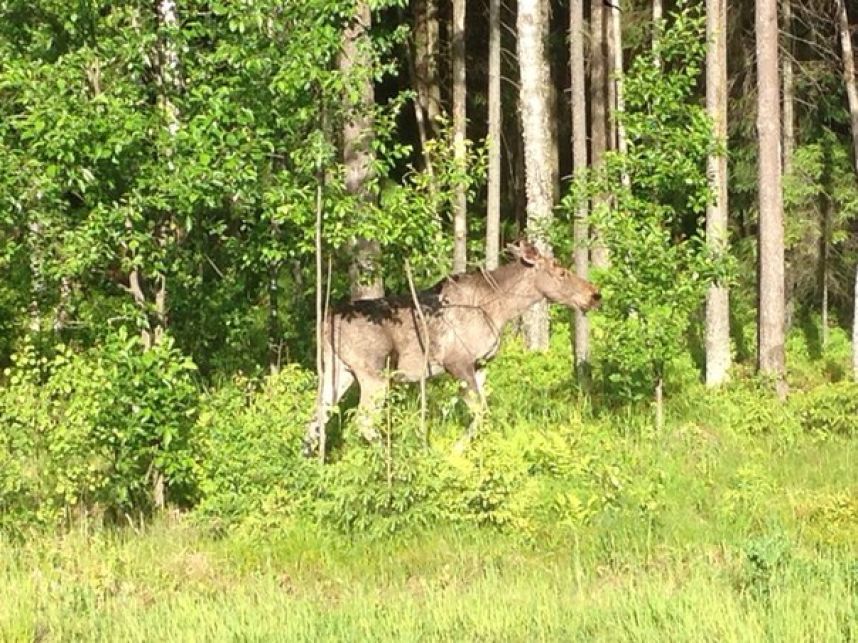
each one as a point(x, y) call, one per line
point(336, 381)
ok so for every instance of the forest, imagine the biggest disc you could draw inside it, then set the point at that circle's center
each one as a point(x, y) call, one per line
point(187, 189)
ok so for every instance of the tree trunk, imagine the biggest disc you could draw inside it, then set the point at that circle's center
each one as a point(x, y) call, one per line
point(579, 165)
point(618, 106)
point(824, 247)
point(37, 278)
point(849, 74)
point(657, 13)
point(717, 299)
point(355, 63)
point(423, 65)
point(460, 199)
point(610, 86)
point(537, 146)
point(770, 352)
point(598, 110)
point(495, 125)
point(426, 45)
point(788, 141)
point(855, 328)
point(788, 89)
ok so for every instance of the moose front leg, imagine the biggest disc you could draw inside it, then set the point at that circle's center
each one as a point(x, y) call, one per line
point(474, 380)
point(336, 380)
point(373, 390)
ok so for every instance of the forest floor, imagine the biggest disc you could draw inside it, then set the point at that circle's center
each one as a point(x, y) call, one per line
point(754, 538)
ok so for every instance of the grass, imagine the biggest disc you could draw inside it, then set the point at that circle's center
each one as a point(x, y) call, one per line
point(736, 523)
point(751, 540)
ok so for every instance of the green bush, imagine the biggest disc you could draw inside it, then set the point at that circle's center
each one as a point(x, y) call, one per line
point(248, 439)
point(830, 409)
point(83, 433)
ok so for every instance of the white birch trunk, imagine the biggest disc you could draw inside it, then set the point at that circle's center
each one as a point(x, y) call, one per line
point(598, 112)
point(537, 147)
point(460, 199)
point(849, 74)
point(717, 299)
point(495, 123)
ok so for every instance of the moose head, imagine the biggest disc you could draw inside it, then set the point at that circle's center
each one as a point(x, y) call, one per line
point(553, 281)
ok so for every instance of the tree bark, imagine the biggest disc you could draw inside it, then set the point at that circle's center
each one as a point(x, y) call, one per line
point(717, 298)
point(537, 147)
point(770, 351)
point(788, 90)
point(855, 328)
point(495, 125)
point(460, 200)
point(618, 106)
point(579, 165)
point(598, 110)
point(355, 64)
point(426, 46)
point(849, 74)
point(657, 13)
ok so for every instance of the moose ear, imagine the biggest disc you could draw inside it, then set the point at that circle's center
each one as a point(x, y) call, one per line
point(528, 253)
point(525, 252)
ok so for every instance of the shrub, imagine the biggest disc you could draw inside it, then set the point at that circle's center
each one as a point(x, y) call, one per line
point(84, 432)
point(248, 438)
point(830, 409)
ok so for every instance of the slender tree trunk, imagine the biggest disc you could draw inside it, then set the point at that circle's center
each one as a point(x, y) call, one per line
point(495, 125)
point(537, 146)
point(460, 200)
point(619, 104)
point(717, 299)
point(37, 278)
point(788, 89)
point(424, 72)
point(579, 165)
point(598, 111)
point(855, 328)
point(355, 64)
point(770, 356)
point(610, 87)
point(824, 247)
point(426, 46)
point(274, 343)
point(852, 98)
point(849, 74)
point(657, 13)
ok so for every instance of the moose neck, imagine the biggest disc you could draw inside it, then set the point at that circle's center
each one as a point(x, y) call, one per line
point(510, 290)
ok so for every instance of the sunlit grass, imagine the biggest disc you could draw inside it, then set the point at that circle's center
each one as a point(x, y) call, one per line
point(751, 541)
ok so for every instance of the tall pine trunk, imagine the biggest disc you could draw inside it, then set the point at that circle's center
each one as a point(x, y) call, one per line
point(495, 124)
point(717, 298)
point(849, 74)
point(770, 350)
point(537, 146)
point(355, 65)
point(598, 111)
point(426, 47)
point(618, 104)
point(460, 200)
point(852, 98)
point(578, 105)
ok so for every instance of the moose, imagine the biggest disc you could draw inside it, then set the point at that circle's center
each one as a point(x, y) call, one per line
point(456, 329)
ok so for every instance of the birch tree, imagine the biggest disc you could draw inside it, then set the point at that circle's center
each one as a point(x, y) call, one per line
point(717, 298)
point(598, 108)
point(770, 345)
point(460, 199)
point(494, 151)
point(537, 147)
point(357, 136)
point(579, 164)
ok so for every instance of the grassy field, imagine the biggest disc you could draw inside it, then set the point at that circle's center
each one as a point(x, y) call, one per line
point(750, 538)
